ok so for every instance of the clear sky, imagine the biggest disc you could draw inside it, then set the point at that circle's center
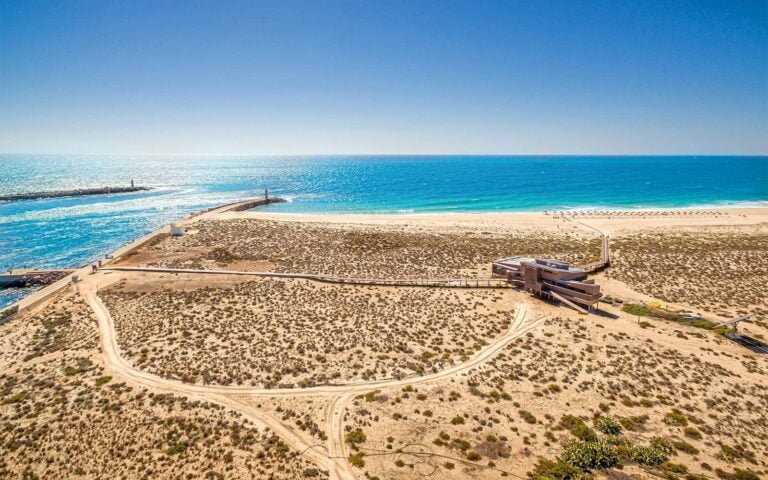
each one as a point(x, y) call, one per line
point(388, 76)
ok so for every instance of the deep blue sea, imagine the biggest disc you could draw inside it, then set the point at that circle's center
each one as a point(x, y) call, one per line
point(73, 231)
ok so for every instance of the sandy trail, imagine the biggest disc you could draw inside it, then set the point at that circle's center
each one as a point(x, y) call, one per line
point(334, 460)
point(220, 395)
point(335, 417)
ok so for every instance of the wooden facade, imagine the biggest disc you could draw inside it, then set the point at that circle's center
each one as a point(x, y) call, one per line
point(549, 278)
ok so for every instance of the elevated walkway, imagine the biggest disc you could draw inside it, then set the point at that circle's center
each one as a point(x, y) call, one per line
point(605, 255)
point(392, 282)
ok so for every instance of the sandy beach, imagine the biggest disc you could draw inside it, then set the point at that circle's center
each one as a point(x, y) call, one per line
point(610, 222)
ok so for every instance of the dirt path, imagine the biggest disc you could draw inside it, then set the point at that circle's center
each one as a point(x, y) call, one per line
point(333, 458)
point(335, 416)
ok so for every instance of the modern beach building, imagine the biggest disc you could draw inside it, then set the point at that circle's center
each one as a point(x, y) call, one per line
point(552, 279)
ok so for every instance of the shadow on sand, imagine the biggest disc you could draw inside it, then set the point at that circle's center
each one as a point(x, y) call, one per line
point(597, 312)
point(748, 342)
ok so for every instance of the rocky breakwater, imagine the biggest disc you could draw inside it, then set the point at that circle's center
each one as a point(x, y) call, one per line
point(70, 193)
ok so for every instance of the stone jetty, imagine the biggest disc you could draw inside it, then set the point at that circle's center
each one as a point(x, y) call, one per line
point(32, 278)
point(71, 193)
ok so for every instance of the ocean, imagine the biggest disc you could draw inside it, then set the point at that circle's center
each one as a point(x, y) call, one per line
point(65, 232)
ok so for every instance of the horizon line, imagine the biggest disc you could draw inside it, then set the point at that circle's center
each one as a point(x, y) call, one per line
point(618, 155)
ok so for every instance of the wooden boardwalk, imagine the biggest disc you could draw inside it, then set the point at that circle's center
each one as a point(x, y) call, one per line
point(391, 282)
point(605, 255)
point(461, 282)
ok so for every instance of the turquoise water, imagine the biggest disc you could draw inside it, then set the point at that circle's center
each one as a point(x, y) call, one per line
point(65, 232)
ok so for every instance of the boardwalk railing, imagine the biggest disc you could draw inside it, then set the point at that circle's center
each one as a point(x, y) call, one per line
point(403, 282)
point(605, 256)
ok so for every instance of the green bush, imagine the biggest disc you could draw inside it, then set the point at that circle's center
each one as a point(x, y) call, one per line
point(729, 453)
point(669, 467)
point(556, 470)
point(461, 444)
point(695, 476)
point(355, 437)
point(175, 449)
point(473, 456)
point(652, 455)
point(457, 420)
point(527, 416)
point(101, 381)
point(635, 309)
point(590, 455)
point(371, 396)
point(357, 460)
point(18, 398)
point(663, 445)
point(685, 447)
point(745, 475)
point(691, 432)
point(631, 423)
point(607, 425)
point(675, 418)
point(578, 428)
point(645, 455)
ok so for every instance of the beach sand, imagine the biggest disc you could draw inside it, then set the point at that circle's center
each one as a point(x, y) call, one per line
point(609, 222)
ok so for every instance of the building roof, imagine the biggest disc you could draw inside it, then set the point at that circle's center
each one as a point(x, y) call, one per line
point(547, 263)
point(514, 261)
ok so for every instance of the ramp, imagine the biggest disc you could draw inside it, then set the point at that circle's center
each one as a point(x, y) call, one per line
point(568, 302)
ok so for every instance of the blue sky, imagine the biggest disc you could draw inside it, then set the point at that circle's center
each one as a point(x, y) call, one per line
point(415, 76)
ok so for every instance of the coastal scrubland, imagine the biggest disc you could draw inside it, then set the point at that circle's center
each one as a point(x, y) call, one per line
point(663, 400)
point(297, 333)
point(720, 270)
point(63, 415)
point(612, 394)
point(361, 250)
